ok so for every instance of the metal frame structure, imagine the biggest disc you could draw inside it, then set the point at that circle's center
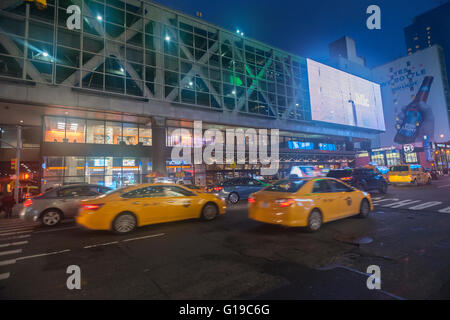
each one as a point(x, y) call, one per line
point(140, 49)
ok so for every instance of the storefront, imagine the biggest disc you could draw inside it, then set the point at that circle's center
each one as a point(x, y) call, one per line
point(414, 153)
point(441, 153)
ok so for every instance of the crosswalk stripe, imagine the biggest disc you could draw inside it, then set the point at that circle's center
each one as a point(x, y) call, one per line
point(13, 233)
point(4, 276)
point(7, 262)
point(4, 253)
point(399, 204)
point(446, 210)
point(18, 228)
point(13, 244)
point(15, 237)
point(426, 205)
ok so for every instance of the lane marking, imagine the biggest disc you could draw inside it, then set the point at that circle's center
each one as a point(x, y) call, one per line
point(54, 230)
point(4, 253)
point(17, 237)
point(13, 244)
point(101, 245)
point(13, 233)
point(42, 255)
point(426, 205)
point(383, 200)
point(146, 237)
point(446, 186)
point(446, 210)
point(4, 276)
point(400, 204)
point(7, 262)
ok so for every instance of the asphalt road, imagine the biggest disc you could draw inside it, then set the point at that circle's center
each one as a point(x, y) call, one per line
point(236, 258)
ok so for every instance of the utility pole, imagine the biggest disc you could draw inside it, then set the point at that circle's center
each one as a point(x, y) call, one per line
point(19, 147)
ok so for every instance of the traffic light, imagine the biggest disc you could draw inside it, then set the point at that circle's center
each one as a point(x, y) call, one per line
point(40, 4)
point(26, 176)
point(14, 164)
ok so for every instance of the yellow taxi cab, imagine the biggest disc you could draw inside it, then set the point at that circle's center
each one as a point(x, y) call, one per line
point(408, 174)
point(308, 202)
point(123, 210)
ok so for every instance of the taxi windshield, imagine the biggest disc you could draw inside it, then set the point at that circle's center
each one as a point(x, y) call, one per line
point(289, 186)
point(400, 168)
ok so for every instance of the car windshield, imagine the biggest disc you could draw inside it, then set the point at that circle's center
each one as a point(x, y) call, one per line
point(289, 186)
point(339, 173)
point(399, 168)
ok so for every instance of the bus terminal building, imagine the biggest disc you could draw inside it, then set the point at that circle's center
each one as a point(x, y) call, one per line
point(101, 104)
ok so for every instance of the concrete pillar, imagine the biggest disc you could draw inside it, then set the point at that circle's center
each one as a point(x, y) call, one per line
point(159, 145)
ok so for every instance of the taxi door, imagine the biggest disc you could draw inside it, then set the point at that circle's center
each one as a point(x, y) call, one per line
point(326, 199)
point(147, 204)
point(346, 201)
point(181, 204)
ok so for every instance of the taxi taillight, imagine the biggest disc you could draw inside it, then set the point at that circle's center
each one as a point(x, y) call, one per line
point(251, 200)
point(91, 207)
point(285, 203)
point(28, 203)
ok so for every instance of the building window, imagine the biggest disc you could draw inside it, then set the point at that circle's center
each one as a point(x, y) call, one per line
point(95, 132)
point(75, 130)
point(130, 134)
point(145, 135)
point(411, 157)
point(393, 158)
point(378, 158)
point(55, 129)
point(113, 172)
point(113, 132)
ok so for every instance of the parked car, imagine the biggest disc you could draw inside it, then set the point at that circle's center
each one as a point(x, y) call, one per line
point(126, 209)
point(236, 189)
point(51, 207)
point(365, 179)
point(408, 174)
point(308, 202)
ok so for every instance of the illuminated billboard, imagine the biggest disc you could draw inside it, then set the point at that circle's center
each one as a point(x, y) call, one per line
point(414, 99)
point(341, 98)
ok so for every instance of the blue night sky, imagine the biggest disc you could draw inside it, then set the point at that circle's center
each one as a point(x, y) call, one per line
point(307, 27)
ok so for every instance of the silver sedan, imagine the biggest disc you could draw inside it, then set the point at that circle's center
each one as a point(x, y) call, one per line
point(51, 207)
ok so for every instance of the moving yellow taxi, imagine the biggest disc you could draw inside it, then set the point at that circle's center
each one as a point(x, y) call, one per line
point(308, 202)
point(123, 210)
point(408, 174)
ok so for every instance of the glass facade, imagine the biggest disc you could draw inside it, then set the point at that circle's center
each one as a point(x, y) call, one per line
point(139, 49)
point(114, 172)
point(74, 130)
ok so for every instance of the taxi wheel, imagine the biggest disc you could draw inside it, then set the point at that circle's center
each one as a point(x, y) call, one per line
point(124, 223)
point(233, 198)
point(364, 210)
point(51, 217)
point(314, 221)
point(209, 212)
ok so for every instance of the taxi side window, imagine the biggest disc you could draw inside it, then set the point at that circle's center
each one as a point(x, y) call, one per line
point(172, 191)
point(321, 186)
point(148, 192)
point(339, 187)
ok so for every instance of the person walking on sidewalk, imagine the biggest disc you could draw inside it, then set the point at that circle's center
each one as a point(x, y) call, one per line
point(7, 203)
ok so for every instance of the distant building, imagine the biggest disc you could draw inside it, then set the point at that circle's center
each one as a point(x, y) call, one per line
point(428, 29)
point(343, 56)
point(401, 81)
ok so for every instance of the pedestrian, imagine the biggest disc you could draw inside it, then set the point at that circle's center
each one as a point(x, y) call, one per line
point(8, 203)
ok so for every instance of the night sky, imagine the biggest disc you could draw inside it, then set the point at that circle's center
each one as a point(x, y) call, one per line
point(307, 27)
